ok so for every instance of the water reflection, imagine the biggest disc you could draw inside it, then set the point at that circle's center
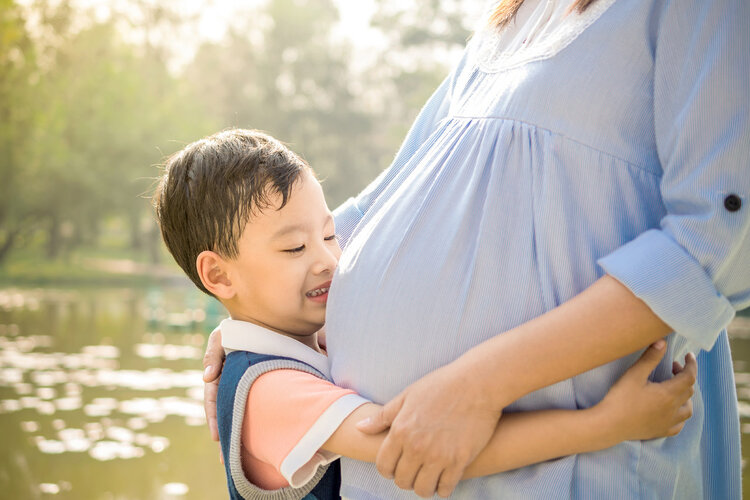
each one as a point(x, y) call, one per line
point(108, 377)
point(101, 394)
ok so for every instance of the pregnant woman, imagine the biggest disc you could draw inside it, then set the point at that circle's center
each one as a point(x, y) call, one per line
point(577, 188)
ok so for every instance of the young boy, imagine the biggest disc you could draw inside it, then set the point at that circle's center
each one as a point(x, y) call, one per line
point(246, 219)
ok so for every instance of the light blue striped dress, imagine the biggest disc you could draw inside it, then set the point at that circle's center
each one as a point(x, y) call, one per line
point(624, 147)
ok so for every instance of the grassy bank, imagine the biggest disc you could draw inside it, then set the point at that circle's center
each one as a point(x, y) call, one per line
point(82, 267)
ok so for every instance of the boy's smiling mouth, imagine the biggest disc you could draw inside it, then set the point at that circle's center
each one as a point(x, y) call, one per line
point(319, 294)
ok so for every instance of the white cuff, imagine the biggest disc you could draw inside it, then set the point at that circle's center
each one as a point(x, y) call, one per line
point(303, 460)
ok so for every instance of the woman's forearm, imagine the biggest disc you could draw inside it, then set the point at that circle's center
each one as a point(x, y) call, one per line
point(520, 439)
point(603, 323)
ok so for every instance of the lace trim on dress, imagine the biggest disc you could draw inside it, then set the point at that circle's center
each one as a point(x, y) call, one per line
point(490, 54)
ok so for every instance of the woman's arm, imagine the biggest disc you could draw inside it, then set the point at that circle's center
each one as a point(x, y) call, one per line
point(633, 409)
point(447, 417)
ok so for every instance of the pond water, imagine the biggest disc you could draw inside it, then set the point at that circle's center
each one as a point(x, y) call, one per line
point(101, 394)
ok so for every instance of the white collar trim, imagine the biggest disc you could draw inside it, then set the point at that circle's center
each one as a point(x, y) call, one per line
point(493, 54)
point(244, 336)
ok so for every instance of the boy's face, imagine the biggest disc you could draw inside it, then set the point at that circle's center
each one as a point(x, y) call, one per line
point(286, 262)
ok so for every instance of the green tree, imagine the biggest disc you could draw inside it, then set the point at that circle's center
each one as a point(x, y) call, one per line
point(420, 35)
point(281, 71)
point(86, 117)
point(18, 78)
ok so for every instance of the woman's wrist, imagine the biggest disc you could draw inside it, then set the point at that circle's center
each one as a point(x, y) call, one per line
point(606, 422)
point(483, 380)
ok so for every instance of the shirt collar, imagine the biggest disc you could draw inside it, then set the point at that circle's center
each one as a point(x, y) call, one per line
point(244, 336)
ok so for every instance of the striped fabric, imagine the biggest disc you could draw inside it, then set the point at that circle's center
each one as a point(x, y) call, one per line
point(627, 152)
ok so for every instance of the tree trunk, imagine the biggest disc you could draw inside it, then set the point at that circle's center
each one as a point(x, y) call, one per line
point(136, 238)
point(53, 238)
point(7, 245)
point(154, 244)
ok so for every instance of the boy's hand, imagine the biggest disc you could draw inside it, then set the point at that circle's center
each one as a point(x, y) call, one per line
point(640, 409)
point(213, 362)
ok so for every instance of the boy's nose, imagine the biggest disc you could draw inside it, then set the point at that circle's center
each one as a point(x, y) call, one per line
point(327, 260)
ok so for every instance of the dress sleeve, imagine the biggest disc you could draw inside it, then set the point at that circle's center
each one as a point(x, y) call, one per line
point(288, 416)
point(351, 211)
point(694, 270)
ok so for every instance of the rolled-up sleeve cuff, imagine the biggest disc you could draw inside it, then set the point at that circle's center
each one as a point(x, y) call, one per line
point(302, 462)
point(347, 216)
point(673, 284)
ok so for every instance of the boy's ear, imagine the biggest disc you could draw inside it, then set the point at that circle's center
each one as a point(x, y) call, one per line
point(212, 270)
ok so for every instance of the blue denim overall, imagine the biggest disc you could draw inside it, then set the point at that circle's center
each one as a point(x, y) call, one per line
point(241, 369)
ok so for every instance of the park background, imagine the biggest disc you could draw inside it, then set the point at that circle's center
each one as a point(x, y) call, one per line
point(100, 335)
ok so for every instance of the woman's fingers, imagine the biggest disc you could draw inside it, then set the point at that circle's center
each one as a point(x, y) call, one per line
point(406, 473)
point(448, 481)
point(439, 421)
point(387, 458)
point(685, 377)
point(685, 411)
point(382, 420)
point(648, 360)
point(682, 415)
point(673, 431)
point(427, 480)
point(676, 367)
point(681, 387)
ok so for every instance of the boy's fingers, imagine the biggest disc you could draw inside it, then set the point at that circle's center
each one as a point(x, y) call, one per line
point(210, 391)
point(213, 360)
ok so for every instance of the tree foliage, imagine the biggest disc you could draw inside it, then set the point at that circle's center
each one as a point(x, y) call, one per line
point(87, 109)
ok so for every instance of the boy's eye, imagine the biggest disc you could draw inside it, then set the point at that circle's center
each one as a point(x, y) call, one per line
point(295, 250)
point(332, 237)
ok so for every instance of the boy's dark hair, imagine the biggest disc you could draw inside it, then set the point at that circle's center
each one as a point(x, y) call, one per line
point(212, 187)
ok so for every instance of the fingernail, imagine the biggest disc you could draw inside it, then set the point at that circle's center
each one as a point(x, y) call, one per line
point(659, 344)
point(207, 370)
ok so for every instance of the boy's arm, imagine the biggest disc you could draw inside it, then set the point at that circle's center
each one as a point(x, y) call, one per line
point(633, 409)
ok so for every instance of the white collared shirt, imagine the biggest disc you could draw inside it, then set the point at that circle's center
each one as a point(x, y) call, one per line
point(244, 336)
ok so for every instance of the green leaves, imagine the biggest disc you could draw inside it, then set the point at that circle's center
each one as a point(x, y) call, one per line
point(89, 104)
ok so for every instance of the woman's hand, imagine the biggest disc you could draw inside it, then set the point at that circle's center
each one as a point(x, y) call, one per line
point(213, 362)
point(639, 409)
point(438, 425)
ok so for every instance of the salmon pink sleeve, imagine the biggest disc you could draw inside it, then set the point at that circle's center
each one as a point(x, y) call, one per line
point(288, 417)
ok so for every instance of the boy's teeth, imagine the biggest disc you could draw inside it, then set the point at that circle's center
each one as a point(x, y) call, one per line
point(317, 291)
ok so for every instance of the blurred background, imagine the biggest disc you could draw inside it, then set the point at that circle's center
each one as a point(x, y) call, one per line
point(100, 334)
